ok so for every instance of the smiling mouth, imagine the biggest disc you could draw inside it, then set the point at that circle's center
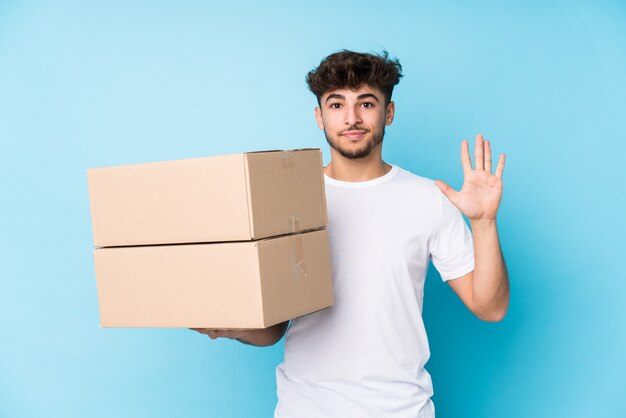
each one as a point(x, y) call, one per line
point(353, 134)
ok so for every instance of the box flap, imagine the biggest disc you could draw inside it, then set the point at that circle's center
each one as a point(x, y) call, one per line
point(296, 275)
point(286, 191)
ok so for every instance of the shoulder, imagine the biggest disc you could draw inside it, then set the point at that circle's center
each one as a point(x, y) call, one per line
point(417, 183)
point(420, 197)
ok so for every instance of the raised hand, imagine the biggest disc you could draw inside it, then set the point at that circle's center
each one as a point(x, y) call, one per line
point(479, 198)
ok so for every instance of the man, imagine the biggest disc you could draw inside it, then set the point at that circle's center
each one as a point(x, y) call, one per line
point(365, 355)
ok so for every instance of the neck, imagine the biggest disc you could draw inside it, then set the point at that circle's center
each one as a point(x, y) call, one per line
point(362, 169)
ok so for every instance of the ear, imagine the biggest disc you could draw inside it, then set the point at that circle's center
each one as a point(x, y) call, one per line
point(318, 118)
point(391, 109)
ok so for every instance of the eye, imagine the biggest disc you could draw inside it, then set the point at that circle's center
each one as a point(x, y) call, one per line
point(335, 105)
point(367, 105)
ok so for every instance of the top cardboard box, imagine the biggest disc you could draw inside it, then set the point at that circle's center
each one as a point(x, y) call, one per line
point(236, 197)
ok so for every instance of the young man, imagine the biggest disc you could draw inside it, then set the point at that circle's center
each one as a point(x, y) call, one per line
point(365, 355)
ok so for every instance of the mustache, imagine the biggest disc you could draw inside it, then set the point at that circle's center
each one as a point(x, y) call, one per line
point(354, 128)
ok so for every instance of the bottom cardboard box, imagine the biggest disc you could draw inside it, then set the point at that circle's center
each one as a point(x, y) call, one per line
point(251, 284)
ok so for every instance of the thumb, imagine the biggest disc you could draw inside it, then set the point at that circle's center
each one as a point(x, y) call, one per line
point(446, 190)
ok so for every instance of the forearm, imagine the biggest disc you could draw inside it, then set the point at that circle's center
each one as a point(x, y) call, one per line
point(263, 337)
point(490, 279)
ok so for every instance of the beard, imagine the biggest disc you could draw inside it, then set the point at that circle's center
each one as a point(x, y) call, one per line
point(363, 151)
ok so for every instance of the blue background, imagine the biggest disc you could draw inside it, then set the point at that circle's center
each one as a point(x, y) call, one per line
point(87, 84)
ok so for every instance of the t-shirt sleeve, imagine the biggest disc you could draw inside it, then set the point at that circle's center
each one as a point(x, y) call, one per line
point(452, 249)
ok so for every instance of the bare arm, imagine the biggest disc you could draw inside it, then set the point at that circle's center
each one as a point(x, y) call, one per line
point(258, 337)
point(485, 291)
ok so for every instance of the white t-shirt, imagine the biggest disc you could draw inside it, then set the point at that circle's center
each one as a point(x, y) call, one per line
point(365, 355)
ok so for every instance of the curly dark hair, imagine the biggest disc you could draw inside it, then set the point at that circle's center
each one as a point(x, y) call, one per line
point(349, 69)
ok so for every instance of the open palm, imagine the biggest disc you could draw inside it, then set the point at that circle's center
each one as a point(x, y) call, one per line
point(481, 193)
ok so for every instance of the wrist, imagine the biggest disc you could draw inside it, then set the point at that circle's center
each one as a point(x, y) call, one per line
point(482, 223)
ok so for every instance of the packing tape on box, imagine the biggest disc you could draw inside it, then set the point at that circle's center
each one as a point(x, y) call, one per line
point(286, 159)
point(297, 257)
point(297, 249)
point(294, 224)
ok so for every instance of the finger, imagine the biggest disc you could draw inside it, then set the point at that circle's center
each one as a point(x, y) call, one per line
point(232, 334)
point(466, 162)
point(500, 167)
point(488, 157)
point(211, 333)
point(478, 153)
point(200, 330)
point(448, 191)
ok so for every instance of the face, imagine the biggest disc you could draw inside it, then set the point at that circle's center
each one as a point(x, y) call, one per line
point(354, 120)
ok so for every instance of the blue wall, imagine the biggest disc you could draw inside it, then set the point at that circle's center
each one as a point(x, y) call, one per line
point(86, 84)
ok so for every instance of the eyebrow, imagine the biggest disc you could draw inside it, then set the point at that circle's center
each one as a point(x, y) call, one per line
point(359, 97)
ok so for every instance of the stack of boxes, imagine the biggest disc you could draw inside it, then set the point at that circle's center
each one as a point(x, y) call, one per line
point(234, 241)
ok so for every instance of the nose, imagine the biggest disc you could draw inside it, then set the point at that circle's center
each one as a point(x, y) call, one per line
point(352, 116)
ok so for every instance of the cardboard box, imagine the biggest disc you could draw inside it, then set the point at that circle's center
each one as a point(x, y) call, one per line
point(235, 197)
point(252, 284)
point(235, 241)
